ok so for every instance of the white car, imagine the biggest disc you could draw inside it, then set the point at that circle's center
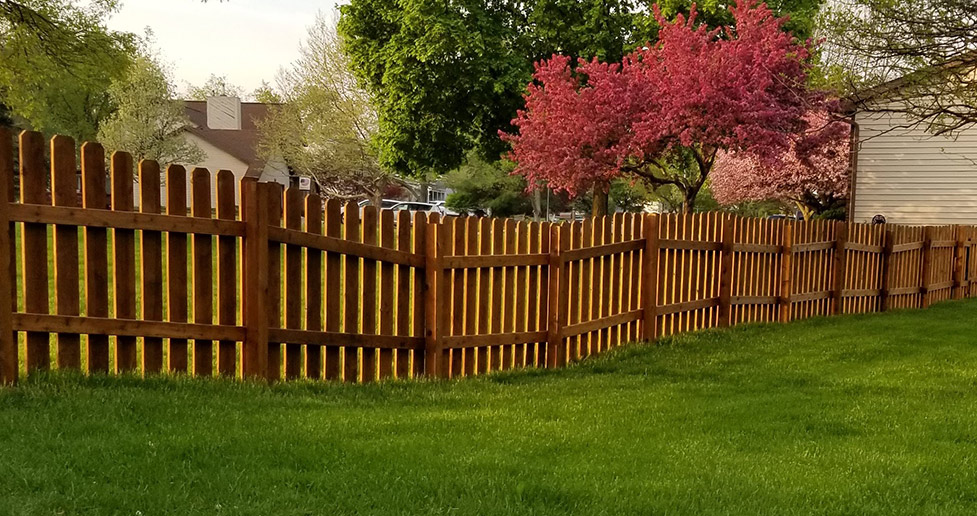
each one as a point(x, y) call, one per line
point(444, 209)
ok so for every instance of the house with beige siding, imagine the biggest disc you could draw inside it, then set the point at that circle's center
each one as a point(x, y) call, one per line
point(226, 130)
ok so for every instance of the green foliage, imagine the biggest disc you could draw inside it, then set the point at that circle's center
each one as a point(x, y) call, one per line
point(265, 94)
point(869, 414)
point(324, 127)
point(57, 59)
point(447, 77)
point(480, 186)
point(803, 13)
point(148, 123)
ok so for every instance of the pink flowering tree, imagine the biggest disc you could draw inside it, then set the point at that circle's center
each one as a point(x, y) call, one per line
point(665, 113)
point(812, 174)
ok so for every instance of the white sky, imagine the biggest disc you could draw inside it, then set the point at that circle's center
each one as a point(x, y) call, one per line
point(245, 40)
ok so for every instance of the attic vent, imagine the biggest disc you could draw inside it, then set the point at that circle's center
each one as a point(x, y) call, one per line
point(224, 113)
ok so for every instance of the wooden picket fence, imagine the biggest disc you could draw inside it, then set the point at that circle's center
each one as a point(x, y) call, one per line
point(288, 285)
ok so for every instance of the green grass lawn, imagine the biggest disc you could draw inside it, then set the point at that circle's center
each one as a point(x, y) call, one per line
point(853, 415)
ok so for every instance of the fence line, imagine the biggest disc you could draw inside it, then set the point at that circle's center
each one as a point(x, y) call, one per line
point(293, 286)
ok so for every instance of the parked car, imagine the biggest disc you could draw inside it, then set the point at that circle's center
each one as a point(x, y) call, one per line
point(385, 204)
point(444, 209)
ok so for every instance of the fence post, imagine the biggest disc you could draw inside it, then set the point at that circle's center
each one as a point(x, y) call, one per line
point(254, 288)
point(8, 340)
point(435, 294)
point(649, 276)
point(557, 295)
point(927, 264)
point(840, 266)
point(887, 247)
point(960, 284)
point(726, 273)
point(786, 272)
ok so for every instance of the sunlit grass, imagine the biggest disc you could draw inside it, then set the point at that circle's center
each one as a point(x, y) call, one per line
point(869, 414)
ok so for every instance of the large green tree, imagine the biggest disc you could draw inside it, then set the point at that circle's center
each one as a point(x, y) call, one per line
point(57, 59)
point(446, 77)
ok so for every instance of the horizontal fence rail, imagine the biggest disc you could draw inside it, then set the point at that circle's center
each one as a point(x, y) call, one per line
point(288, 285)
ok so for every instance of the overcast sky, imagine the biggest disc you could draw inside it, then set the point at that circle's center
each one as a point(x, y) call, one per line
point(245, 40)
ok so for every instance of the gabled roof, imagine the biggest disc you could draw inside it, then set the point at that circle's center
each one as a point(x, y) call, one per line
point(243, 143)
point(860, 99)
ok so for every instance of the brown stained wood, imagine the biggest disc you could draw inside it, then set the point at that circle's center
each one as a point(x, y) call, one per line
point(64, 192)
point(484, 295)
point(274, 194)
point(96, 253)
point(294, 209)
point(575, 283)
point(227, 274)
point(404, 294)
point(650, 277)
point(471, 292)
point(787, 272)
point(437, 296)
point(926, 272)
point(333, 289)
point(457, 304)
point(151, 263)
point(102, 218)
point(468, 342)
point(313, 286)
point(587, 288)
point(522, 292)
point(726, 272)
point(962, 234)
point(557, 281)
point(352, 294)
point(8, 339)
point(419, 288)
point(124, 245)
point(387, 301)
point(614, 292)
point(369, 313)
point(498, 286)
point(203, 273)
point(106, 326)
point(176, 255)
point(607, 284)
point(840, 266)
point(254, 285)
point(535, 289)
point(34, 247)
point(509, 294)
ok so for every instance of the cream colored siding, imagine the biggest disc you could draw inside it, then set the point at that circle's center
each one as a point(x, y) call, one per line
point(913, 177)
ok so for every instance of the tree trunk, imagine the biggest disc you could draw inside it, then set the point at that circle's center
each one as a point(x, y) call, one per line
point(537, 204)
point(599, 208)
point(688, 201)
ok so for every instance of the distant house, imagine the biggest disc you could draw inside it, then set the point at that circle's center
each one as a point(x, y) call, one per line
point(226, 130)
point(906, 174)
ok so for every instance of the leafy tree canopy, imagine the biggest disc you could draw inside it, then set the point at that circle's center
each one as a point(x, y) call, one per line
point(148, 122)
point(57, 59)
point(447, 76)
point(214, 86)
point(665, 112)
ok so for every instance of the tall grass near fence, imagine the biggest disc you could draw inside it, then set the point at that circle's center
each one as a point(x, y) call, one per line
point(288, 285)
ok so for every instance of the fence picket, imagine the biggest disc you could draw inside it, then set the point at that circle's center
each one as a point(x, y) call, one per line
point(64, 192)
point(8, 303)
point(96, 253)
point(227, 295)
point(151, 248)
point(33, 190)
point(313, 286)
point(176, 254)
